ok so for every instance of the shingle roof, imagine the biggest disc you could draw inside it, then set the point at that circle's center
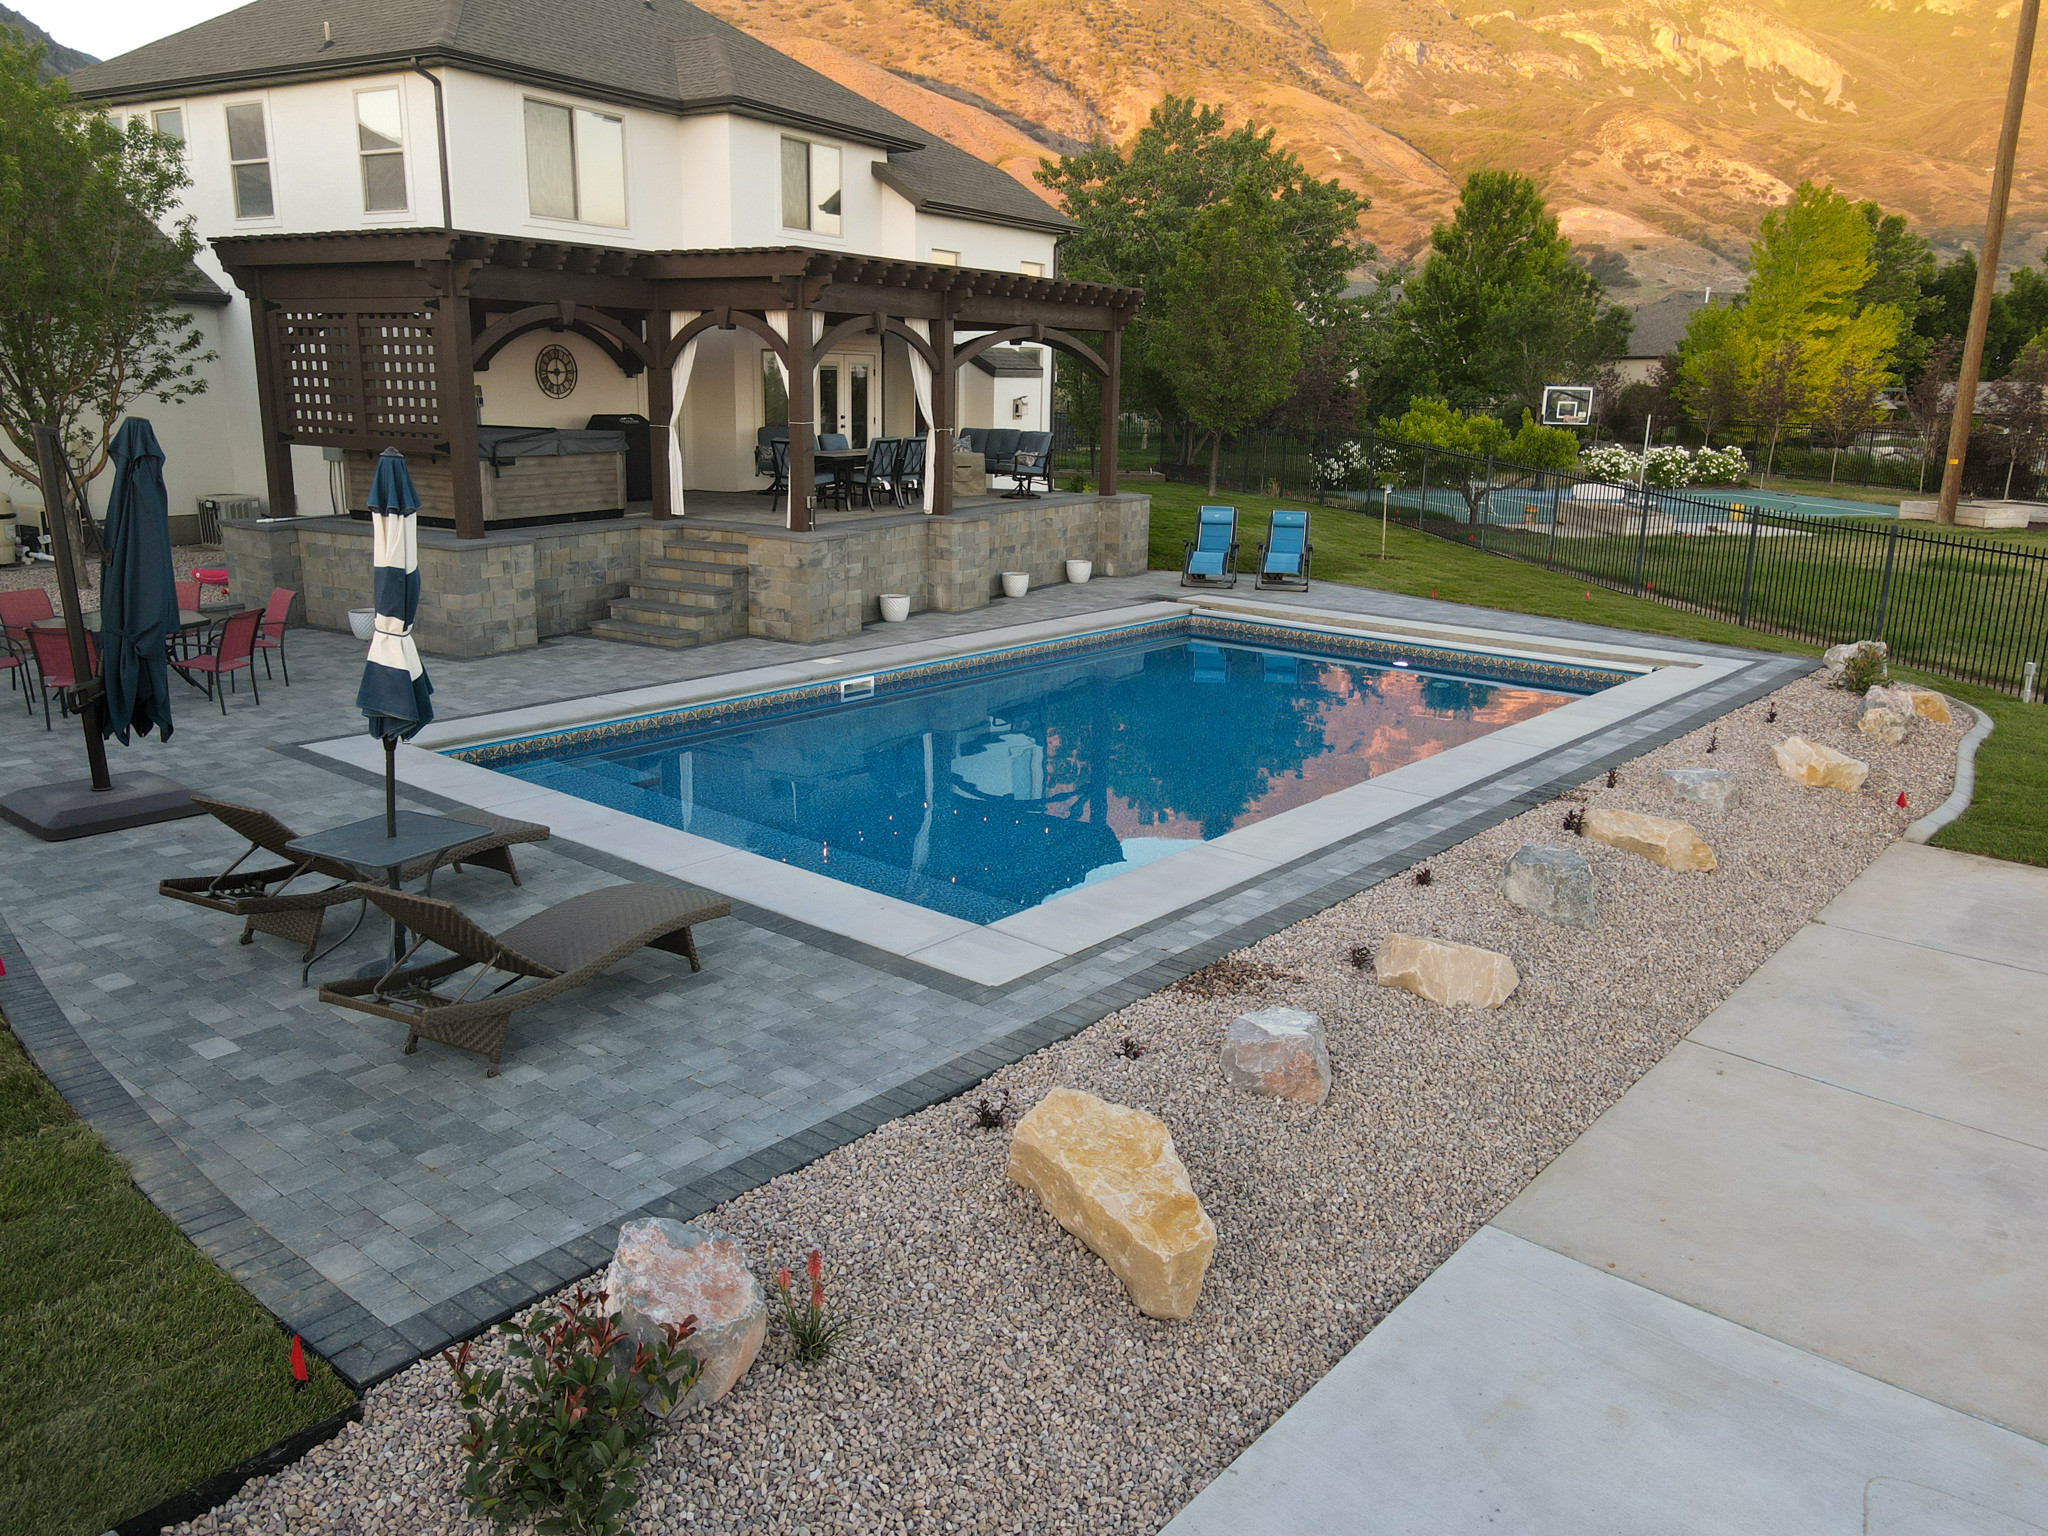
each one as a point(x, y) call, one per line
point(1011, 362)
point(662, 54)
point(1660, 325)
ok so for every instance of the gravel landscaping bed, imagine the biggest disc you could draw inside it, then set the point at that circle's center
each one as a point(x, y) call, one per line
point(1005, 1383)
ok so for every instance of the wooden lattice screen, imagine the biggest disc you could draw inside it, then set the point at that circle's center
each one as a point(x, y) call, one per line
point(357, 378)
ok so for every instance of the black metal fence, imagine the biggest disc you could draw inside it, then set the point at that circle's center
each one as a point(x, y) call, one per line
point(1969, 608)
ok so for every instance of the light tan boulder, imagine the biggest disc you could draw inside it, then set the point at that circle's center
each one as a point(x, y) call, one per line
point(1673, 844)
point(1451, 975)
point(1109, 1175)
point(1927, 704)
point(1881, 722)
point(1809, 763)
point(1281, 1052)
point(667, 1271)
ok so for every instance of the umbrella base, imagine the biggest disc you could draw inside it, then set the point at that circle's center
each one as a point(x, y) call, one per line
point(58, 812)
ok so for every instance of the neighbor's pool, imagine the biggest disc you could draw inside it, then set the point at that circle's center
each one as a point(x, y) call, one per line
point(982, 787)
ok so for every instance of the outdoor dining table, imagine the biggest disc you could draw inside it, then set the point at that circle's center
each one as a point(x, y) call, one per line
point(842, 462)
point(366, 849)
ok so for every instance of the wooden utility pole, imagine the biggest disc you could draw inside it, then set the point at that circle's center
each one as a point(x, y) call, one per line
point(1987, 264)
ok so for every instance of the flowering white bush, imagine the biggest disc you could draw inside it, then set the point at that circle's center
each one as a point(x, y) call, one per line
point(1336, 469)
point(1666, 469)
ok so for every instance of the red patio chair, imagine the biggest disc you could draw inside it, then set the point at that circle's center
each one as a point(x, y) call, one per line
point(188, 596)
point(277, 613)
point(232, 649)
point(52, 651)
point(14, 662)
point(20, 609)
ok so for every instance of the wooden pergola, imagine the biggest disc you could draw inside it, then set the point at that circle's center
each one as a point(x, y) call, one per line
point(372, 339)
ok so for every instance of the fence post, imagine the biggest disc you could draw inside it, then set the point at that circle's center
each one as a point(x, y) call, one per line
point(1556, 496)
point(1483, 513)
point(1884, 589)
point(1422, 507)
point(1748, 567)
point(1642, 541)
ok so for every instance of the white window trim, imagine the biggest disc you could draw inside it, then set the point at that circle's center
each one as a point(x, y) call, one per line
point(796, 229)
point(550, 221)
point(185, 118)
point(261, 101)
point(404, 150)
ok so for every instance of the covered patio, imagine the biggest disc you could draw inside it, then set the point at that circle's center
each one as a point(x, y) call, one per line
point(410, 339)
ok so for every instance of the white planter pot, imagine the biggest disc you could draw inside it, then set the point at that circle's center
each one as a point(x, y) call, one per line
point(895, 607)
point(1016, 583)
point(362, 622)
point(1079, 571)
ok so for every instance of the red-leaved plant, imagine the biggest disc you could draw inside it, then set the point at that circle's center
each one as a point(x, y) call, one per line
point(558, 1442)
point(816, 1328)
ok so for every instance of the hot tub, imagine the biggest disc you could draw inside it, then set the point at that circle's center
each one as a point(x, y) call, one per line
point(530, 475)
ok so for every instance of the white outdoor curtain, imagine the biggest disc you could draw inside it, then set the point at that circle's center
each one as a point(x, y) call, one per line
point(778, 322)
point(679, 387)
point(921, 382)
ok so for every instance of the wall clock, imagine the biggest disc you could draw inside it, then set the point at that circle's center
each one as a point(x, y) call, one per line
point(554, 370)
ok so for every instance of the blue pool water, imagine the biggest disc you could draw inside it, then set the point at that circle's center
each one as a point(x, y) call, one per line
point(984, 794)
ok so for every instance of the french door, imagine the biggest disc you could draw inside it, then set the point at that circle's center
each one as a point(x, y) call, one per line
point(850, 398)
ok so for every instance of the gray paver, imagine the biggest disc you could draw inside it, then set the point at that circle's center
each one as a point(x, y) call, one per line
point(311, 1116)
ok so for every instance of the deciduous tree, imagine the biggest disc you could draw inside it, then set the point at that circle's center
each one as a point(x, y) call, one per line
point(91, 263)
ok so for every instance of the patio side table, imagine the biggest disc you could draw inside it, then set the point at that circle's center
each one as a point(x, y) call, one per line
point(362, 847)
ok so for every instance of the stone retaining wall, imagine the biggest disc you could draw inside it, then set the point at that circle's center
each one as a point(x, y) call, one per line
point(515, 587)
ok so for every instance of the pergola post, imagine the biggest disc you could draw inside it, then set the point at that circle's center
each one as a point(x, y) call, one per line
point(661, 412)
point(1112, 410)
point(803, 420)
point(277, 453)
point(945, 402)
point(457, 372)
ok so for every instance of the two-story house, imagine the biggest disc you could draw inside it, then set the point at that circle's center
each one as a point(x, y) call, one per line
point(523, 207)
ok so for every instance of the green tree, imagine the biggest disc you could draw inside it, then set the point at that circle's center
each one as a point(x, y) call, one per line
point(1946, 292)
point(1137, 207)
point(1900, 263)
point(89, 320)
point(1235, 340)
point(1709, 373)
point(1501, 308)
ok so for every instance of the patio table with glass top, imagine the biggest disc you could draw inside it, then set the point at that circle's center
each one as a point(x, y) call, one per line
point(377, 851)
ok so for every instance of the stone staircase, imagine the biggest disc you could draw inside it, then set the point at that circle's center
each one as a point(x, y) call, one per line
point(694, 591)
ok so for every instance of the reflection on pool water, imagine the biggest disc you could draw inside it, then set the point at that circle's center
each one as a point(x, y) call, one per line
point(980, 796)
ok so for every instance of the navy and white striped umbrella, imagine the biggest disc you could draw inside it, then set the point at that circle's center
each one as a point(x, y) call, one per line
point(395, 697)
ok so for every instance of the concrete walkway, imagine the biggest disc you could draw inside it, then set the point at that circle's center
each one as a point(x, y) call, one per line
point(1792, 1281)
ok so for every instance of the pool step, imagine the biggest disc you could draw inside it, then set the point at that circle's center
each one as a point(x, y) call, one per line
point(694, 591)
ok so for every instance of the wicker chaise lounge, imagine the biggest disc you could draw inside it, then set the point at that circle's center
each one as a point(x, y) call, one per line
point(260, 896)
point(553, 951)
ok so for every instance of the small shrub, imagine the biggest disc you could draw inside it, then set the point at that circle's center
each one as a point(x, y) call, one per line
point(1865, 669)
point(1361, 956)
point(1424, 875)
point(816, 1329)
point(1130, 1047)
point(1771, 715)
point(989, 1113)
point(1613, 777)
point(1714, 742)
point(557, 1441)
point(1575, 821)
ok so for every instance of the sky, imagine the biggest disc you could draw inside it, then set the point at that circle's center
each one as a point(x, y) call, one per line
point(105, 28)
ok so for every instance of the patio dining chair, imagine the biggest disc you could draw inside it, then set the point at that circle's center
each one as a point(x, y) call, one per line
point(909, 477)
point(188, 596)
point(1031, 461)
point(230, 650)
point(1284, 552)
point(14, 661)
point(51, 649)
point(277, 614)
point(880, 469)
point(18, 610)
point(1209, 559)
point(552, 952)
point(778, 458)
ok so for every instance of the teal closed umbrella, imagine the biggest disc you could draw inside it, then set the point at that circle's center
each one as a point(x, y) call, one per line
point(139, 596)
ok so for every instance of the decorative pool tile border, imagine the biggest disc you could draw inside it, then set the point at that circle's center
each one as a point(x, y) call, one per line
point(1488, 667)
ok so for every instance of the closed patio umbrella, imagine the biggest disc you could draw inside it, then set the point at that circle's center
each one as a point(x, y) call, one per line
point(139, 595)
point(395, 697)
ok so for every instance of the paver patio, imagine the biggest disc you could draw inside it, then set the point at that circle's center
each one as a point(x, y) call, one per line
point(383, 1204)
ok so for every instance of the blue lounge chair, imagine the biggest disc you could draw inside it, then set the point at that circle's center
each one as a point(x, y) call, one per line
point(1210, 557)
point(1284, 555)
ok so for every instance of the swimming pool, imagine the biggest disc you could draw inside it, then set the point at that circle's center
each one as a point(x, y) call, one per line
point(982, 786)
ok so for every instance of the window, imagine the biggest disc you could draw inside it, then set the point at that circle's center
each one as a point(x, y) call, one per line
point(170, 122)
point(945, 258)
point(810, 187)
point(380, 143)
point(575, 164)
point(1033, 268)
point(249, 160)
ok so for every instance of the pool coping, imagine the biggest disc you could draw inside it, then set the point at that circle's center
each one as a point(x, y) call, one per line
point(1076, 921)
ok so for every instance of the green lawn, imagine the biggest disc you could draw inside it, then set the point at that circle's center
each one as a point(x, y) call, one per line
point(130, 1367)
point(2008, 818)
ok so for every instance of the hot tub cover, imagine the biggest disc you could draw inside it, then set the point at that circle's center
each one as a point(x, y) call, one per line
point(501, 445)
